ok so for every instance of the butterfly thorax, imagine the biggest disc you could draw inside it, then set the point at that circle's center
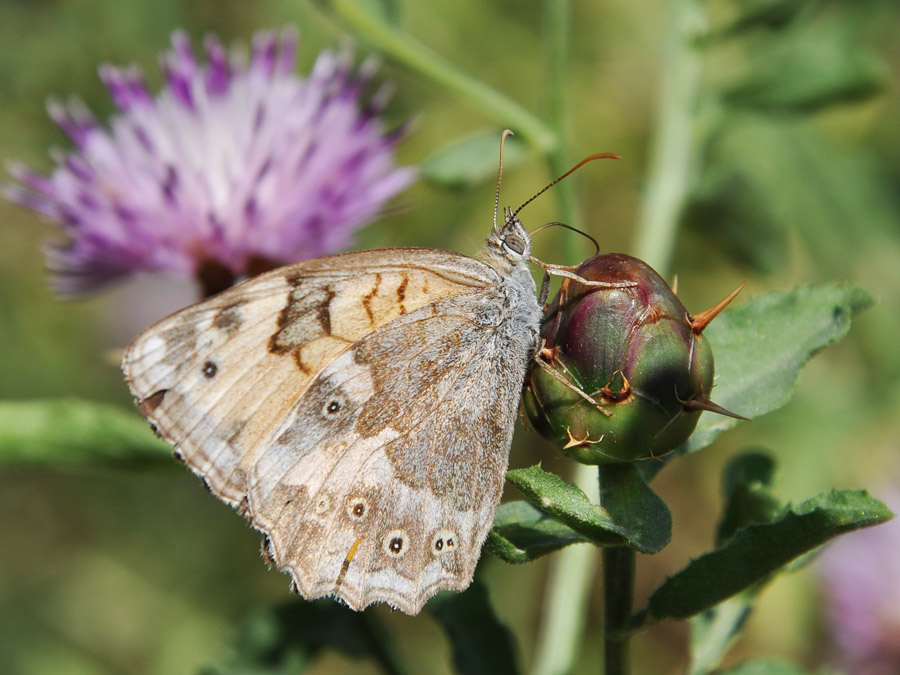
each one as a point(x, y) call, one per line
point(507, 251)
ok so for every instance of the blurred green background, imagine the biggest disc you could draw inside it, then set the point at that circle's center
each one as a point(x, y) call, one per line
point(797, 181)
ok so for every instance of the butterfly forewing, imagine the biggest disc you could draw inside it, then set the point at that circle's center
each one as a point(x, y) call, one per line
point(341, 404)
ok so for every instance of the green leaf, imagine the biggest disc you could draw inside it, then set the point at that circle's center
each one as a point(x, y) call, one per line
point(635, 507)
point(472, 160)
point(748, 499)
point(522, 533)
point(285, 638)
point(802, 87)
point(72, 431)
point(481, 644)
point(741, 193)
point(758, 550)
point(761, 346)
point(635, 515)
point(568, 504)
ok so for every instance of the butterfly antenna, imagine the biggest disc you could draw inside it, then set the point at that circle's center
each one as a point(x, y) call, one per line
point(506, 133)
point(602, 155)
point(556, 223)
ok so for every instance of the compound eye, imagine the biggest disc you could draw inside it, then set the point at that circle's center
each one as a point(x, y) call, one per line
point(514, 243)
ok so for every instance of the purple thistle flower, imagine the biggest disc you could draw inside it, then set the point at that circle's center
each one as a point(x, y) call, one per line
point(236, 166)
point(860, 576)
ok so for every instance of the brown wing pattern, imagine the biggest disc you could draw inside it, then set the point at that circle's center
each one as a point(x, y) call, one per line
point(341, 405)
point(382, 483)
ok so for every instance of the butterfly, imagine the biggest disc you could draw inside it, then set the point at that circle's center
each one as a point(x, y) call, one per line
point(357, 409)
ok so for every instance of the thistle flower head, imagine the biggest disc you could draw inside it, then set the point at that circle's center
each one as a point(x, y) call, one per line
point(860, 576)
point(626, 370)
point(236, 165)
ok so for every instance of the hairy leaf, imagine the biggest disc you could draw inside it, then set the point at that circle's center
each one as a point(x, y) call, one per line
point(747, 497)
point(713, 631)
point(633, 514)
point(748, 501)
point(761, 346)
point(758, 550)
point(522, 533)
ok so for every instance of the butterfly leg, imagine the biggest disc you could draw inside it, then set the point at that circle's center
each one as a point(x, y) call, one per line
point(562, 379)
point(564, 271)
point(545, 289)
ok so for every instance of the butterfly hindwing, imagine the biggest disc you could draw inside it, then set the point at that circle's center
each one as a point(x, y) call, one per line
point(382, 484)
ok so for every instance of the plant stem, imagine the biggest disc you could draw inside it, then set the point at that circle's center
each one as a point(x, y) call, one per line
point(556, 40)
point(413, 54)
point(671, 159)
point(562, 629)
point(668, 182)
point(667, 186)
point(618, 596)
point(565, 600)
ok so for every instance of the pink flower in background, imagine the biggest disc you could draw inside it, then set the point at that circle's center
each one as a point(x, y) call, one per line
point(234, 167)
point(860, 576)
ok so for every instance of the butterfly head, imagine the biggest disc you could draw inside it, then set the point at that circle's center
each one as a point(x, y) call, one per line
point(508, 246)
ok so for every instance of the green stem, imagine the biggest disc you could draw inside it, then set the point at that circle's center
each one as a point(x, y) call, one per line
point(671, 160)
point(413, 54)
point(618, 597)
point(669, 177)
point(565, 602)
point(562, 630)
point(618, 592)
point(668, 181)
point(556, 39)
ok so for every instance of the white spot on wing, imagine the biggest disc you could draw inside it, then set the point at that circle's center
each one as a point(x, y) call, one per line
point(153, 344)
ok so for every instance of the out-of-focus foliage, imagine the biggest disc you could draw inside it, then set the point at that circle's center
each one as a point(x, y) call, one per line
point(287, 637)
point(471, 160)
point(71, 431)
point(794, 180)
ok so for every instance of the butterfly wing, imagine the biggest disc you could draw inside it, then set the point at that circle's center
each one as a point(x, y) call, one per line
point(352, 409)
point(391, 466)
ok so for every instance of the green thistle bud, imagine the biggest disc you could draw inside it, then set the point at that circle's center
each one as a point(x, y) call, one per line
point(625, 370)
